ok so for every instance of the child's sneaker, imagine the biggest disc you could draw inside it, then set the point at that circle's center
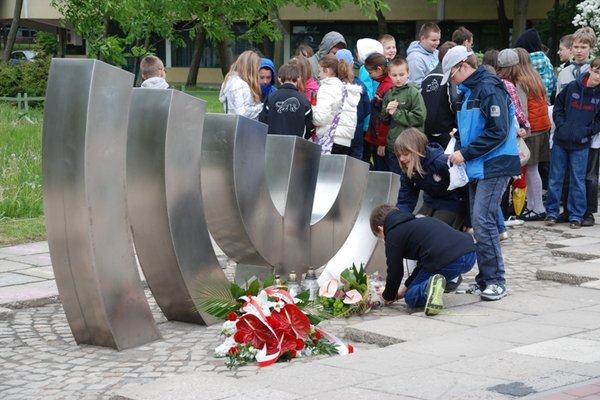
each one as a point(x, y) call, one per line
point(493, 292)
point(513, 221)
point(435, 292)
point(453, 284)
point(473, 289)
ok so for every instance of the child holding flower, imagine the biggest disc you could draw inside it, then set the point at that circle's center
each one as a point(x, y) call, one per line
point(442, 253)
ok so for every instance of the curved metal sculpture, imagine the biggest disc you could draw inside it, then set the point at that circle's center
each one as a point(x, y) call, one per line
point(84, 138)
point(165, 201)
point(270, 202)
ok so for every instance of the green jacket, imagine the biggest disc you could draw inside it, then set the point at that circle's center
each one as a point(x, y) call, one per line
point(411, 111)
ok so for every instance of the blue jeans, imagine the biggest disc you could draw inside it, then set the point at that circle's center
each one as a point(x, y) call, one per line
point(591, 181)
point(576, 160)
point(500, 221)
point(484, 198)
point(415, 294)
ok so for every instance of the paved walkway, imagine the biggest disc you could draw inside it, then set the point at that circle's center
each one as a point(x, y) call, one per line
point(542, 341)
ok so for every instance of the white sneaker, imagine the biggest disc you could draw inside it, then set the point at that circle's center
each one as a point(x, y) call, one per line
point(493, 292)
point(513, 221)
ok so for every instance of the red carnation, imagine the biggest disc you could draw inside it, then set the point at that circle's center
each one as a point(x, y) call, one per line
point(299, 344)
point(233, 350)
point(231, 316)
point(293, 353)
point(350, 349)
point(318, 335)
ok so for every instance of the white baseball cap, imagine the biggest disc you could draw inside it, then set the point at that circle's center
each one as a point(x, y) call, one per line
point(454, 56)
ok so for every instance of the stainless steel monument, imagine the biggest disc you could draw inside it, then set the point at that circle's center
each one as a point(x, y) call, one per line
point(118, 160)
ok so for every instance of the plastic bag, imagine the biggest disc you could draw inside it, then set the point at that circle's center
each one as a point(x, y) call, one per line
point(458, 176)
point(451, 144)
point(524, 152)
point(458, 173)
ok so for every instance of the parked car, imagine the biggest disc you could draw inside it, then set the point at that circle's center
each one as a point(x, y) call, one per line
point(20, 56)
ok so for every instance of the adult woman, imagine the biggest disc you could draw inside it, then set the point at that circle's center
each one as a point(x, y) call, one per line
point(240, 91)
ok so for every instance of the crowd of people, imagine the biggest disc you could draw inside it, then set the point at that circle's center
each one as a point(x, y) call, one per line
point(439, 107)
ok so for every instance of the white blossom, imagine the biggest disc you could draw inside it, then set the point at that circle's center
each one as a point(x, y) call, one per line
point(589, 15)
point(228, 328)
point(223, 348)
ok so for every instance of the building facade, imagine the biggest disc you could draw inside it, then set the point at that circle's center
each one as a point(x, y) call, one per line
point(309, 25)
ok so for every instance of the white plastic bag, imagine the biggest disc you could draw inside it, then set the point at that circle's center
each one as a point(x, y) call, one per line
point(458, 173)
point(451, 144)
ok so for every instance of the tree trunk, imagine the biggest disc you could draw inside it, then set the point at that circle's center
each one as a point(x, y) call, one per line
point(519, 19)
point(12, 34)
point(381, 23)
point(225, 55)
point(61, 50)
point(503, 36)
point(199, 43)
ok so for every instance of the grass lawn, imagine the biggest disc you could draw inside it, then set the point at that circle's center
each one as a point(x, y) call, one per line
point(21, 199)
point(21, 230)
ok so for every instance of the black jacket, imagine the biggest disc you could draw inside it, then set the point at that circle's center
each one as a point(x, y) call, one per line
point(287, 112)
point(431, 242)
point(441, 118)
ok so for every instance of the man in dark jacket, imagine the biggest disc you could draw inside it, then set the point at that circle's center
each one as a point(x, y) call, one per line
point(442, 253)
point(287, 111)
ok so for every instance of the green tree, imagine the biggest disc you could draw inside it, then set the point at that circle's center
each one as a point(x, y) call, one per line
point(215, 19)
point(110, 28)
point(12, 34)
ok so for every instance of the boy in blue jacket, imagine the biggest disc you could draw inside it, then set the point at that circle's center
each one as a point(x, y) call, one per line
point(488, 148)
point(442, 253)
point(577, 118)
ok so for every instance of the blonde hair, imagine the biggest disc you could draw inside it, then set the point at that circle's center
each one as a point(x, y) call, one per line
point(386, 38)
point(585, 35)
point(414, 142)
point(247, 66)
point(304, 69)
point(151, 67)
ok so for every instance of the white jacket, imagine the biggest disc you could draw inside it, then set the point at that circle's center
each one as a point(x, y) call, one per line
point(237, 98)
point(328, 104)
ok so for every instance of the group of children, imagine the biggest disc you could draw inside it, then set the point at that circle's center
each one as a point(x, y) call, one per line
point(399, 115)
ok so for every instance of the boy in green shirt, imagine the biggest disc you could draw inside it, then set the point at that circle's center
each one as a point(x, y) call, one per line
point(403, 107)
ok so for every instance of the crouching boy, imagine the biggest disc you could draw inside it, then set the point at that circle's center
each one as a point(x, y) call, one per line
point(442, 253)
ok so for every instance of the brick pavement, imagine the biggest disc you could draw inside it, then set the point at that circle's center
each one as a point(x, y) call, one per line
point(41, 360)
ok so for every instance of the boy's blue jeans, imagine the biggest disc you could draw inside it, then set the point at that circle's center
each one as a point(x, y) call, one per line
point(484, 198)
point(416, 296)
point(577, 162)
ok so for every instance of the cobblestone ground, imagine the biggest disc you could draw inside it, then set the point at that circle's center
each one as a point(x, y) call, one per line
point(40, 358)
